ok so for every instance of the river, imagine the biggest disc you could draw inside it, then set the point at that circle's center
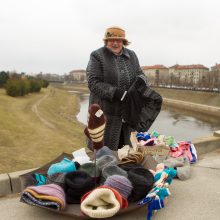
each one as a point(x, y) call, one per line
point(182, 125)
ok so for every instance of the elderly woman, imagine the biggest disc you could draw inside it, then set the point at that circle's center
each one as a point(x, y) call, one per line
point(111, 71)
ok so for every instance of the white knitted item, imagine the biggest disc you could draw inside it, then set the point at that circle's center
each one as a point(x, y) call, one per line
point(100, 203)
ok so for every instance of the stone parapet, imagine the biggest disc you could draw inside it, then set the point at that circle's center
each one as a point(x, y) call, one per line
point(5, 184)
point(204, 109)
point(10, 182)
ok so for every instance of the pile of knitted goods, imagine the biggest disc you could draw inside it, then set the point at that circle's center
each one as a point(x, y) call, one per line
point(102, 186)
point(181, 154)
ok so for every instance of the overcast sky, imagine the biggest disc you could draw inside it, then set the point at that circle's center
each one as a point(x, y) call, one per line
point(58, 36)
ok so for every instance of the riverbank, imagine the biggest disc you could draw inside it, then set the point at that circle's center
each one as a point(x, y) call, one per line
point(45, 124)
point(36, 128)
point(197, 97)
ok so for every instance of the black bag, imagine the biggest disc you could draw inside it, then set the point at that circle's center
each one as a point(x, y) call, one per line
point(141, 105)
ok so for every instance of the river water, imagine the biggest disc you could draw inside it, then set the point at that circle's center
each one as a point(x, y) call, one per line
point(182, 125)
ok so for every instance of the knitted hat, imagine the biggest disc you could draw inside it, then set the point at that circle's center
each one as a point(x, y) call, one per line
point(96, 126)
point(115, 33)
point(102, 202)
point(125, 151)
point(103, 151)
point(106, 161)
point(142, 181)
point(49, 192)
point(63, 166)
point(92, 170)
point(136, 157)
point(57, 178)
point(112, 170)
point(76, 184)
point(120, 183)
point(129, 166)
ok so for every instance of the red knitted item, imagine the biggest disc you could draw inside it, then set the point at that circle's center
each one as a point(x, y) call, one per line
point(122, 201)
point(96, 126)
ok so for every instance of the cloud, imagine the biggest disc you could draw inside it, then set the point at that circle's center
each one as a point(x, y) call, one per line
point(58, 36)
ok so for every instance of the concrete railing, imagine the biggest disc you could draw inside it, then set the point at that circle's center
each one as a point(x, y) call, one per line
point(10, 183)
point(190, 106)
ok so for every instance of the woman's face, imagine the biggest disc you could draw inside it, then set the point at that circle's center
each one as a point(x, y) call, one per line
point(115, 45)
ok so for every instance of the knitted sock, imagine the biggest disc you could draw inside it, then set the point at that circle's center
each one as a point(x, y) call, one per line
point(155, 204)
point(96, 126)
point(183, 173)
point(41, 179)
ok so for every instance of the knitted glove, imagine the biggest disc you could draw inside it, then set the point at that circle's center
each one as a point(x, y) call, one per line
point(118, 95)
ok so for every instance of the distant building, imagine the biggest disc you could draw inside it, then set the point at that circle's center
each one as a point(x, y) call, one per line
point(51, 77)
point(157, 74)
point(216, 67)
point(188, 74)
point(77, 75)
point(215, 76)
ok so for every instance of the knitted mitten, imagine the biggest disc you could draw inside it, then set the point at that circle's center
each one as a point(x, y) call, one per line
point(96, 126)
point(183, 173)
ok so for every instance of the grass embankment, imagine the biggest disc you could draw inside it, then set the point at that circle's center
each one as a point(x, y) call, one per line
point(26, 139)
point(36, 128)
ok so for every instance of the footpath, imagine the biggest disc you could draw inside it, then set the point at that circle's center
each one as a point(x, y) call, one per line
point(195, 199)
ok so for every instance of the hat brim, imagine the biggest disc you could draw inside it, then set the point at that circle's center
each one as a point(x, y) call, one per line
point(116, 38)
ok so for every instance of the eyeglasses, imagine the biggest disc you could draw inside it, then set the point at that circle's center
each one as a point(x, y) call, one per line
point(119, 41)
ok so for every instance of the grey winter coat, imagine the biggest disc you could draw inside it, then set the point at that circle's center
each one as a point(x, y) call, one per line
point(105, 73)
